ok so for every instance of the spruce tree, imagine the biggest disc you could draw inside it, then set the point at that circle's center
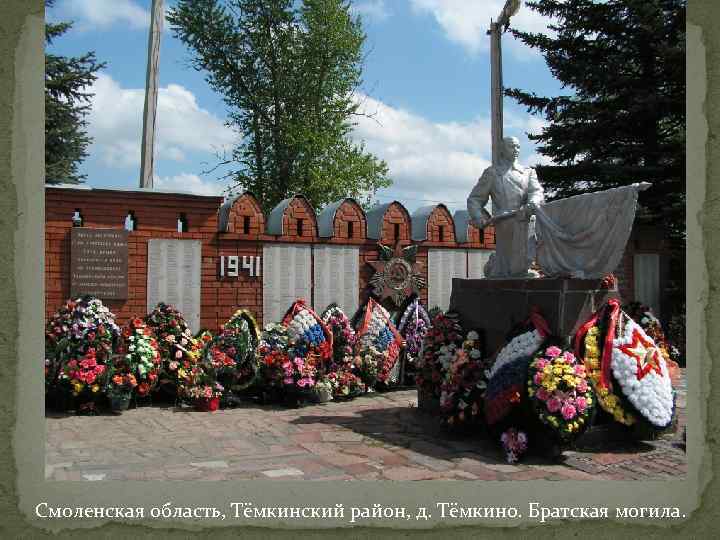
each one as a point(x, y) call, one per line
point(622, 119)
point(67, 102)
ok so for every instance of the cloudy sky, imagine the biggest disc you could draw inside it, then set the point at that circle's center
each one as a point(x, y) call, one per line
point(426, 82)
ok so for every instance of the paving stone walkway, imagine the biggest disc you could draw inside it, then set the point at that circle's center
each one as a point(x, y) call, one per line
point(380, 436)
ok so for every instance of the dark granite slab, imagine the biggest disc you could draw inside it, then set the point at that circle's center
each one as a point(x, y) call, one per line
point(496, 305)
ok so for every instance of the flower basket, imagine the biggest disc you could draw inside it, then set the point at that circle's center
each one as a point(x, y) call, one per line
point(207, 404)
point(321, 394)
point(119, 403)
point(80, 340)
point(345, 384)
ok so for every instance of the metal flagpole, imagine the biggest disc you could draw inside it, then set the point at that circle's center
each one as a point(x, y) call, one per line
point(151, 93)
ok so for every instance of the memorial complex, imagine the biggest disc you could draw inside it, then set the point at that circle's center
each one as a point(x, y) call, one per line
point(536, 325)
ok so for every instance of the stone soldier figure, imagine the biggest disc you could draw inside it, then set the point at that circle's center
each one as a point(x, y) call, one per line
point(514, 191)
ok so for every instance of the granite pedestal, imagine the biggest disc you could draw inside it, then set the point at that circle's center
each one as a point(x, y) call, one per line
point(496, 305)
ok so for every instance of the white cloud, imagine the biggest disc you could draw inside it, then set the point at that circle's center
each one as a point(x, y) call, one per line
point(466, 22)
point(115, 123)
point(428, 161)
point(433, 162)
point(190, 183)
point(371, 9)
point(105, 13)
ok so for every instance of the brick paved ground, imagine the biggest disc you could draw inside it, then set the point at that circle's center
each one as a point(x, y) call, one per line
point(379, 436)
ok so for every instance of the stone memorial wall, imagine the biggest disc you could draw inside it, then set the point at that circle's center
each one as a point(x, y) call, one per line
point(238, 257)
point(336, 277)
point(443, 266)
point(287, 277)
point(173, 277)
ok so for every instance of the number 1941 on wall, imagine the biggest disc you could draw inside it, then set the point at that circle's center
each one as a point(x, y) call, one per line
point(232, 265)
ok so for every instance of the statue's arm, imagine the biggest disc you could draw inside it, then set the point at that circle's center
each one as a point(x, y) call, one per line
point(535, 194)
point(479, 197)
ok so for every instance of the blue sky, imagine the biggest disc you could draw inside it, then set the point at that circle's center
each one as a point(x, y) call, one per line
point(426, 81)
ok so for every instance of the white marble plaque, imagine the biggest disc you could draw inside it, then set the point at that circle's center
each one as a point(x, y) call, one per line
point(443, 266)
point(286, 277)
point(476, 263)
point(173, 277)
point(336, 277)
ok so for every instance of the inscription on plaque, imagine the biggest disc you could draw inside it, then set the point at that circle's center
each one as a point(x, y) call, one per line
point(337, 274)
point(99, 263)
point(443, 266)
point(173, 277)
point(286, 278)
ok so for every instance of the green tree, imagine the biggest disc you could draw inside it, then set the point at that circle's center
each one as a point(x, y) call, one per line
point(288, 72)
point(623, 119)
point(67, 103)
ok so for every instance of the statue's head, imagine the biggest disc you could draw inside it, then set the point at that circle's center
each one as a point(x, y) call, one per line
point(511, 148)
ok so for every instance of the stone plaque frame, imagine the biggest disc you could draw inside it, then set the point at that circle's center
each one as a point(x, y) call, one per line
point(99, 263)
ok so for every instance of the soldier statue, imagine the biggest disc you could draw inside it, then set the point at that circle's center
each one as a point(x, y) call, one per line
point(515, 192)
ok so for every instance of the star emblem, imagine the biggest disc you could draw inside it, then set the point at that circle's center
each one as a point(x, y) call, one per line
point(395, 274)
point(645, 353)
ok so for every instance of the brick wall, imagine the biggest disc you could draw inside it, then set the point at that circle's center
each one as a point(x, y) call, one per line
point(245, 234)
point(156, 217)
point(350, 225)
point(645, 239)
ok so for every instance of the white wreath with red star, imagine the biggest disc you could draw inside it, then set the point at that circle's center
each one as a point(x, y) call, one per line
point(640, 368)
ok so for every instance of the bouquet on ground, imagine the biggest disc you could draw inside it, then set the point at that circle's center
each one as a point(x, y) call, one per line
point(464, 384)
point(514, 443)
point(202, 389)
point(179, 350)
point(507, 378)
point(82, 330)
point(344, 337)
point(86, 378)
point(345, 384)
point(627, 370)
point(121, 382)
point(438, 352)
point(560, 393)
point(142, 355)
point(378, 334)
point(366, 365)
